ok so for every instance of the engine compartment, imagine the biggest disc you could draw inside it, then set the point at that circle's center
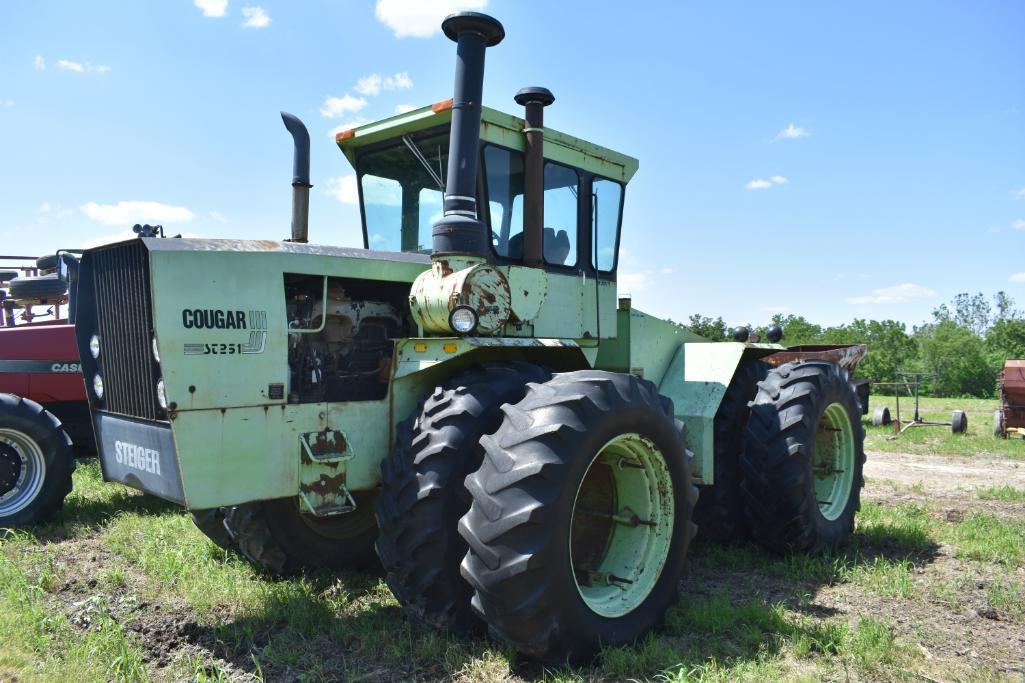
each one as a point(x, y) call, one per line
point(340, 345)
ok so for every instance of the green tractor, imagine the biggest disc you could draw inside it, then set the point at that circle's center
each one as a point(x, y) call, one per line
point(465, 400)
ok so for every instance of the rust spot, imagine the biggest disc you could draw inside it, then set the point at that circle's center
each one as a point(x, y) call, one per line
point(264, 245)
point(446, 269)
point(326, 485)
point(487, 296)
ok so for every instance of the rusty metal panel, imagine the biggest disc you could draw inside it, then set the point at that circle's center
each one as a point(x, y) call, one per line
point(846, 355)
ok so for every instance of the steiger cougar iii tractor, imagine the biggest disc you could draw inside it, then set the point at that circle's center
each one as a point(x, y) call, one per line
point(465, 399)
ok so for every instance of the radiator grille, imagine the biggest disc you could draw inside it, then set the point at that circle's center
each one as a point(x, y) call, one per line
point(130, 373)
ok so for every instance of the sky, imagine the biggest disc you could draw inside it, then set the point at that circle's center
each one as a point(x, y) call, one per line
point(832, 160)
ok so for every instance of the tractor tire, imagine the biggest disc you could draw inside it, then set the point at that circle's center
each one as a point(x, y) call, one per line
point(36, 463)
point(556, 580)
point(280, 539)
point(719, 512)
point(881, 417)
point(804, 458)
point(211, 523)
point(39, 288)
point(999, 425)
point(422, 493)
point(959, 422)
point(48, 262)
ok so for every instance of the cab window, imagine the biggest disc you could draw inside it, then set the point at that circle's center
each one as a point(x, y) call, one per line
point(606, 200)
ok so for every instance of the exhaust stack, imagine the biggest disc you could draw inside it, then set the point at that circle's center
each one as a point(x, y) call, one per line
point(300, 177)
point(461, 231)
point(534, 101)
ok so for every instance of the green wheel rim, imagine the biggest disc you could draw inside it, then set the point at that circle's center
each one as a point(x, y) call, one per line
point(832, 463)
point(622, 525)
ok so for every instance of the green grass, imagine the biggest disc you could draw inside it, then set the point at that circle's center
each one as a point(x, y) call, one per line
point(988, 538)
point(342, 626)
point(1005, 493)
point(928, 440)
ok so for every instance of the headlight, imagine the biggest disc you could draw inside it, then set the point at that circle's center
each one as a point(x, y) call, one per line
point(94, 346)
point(98, 385)
point(156, 354)
point(161, 396)
point(462, 320)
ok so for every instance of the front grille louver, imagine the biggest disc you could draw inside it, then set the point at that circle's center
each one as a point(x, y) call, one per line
point(130, 373)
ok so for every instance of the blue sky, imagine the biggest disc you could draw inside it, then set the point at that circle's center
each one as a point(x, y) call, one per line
point(826, 159)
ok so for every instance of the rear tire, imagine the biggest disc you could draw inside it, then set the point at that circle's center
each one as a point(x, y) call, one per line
point(555, 579)
point(804, 458)
point(423, 496)
point(719, 512)
point(881, 417)
point(36, 463)
point(959, 422)
point(211, 523)
point(277, 537)
point(998, 424)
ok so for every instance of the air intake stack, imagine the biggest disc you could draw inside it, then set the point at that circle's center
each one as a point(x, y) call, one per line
point(534, 101)
point(461, 231)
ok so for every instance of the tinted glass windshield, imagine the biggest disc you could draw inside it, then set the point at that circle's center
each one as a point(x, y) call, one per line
point(402, 188)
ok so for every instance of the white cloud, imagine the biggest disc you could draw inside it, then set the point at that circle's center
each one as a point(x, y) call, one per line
point(791, 132)
point(898, 294)
point(8, 103)
point(343, 188)
point(1019, 194)
point(218, 216)
point(632, 283)
point(666, 271)
point(69, 65)
point(762, 184)
point(374, 83)
point(336, 106)
point(130, 212)
point(355, 123)
point(420, 18)
point(403, 108)
point(1017, 277)
point(1018, 224)
point(256, 17)
point(775, 309)
point(212, 8)
point(39, 62)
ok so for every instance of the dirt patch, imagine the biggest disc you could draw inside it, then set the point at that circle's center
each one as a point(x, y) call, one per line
point(945, 473)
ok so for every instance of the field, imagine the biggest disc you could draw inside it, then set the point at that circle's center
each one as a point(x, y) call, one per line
point(932, 587)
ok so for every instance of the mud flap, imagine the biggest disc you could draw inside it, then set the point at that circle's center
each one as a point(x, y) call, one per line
point(140, 454)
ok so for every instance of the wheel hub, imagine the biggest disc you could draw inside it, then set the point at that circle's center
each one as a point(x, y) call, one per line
point(10, 468)
point(22, 471)
point(622, 525)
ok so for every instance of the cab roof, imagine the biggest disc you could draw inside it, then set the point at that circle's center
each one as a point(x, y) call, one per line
point(498, 128)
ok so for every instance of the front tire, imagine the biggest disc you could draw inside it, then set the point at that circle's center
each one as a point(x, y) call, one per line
point(211, 523)
point(804, 458)
point(36, 463)
point(276, 536)
point(423, 496)
point(581, 517)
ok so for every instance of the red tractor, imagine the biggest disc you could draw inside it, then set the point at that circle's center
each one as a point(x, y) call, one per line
point(44, 419)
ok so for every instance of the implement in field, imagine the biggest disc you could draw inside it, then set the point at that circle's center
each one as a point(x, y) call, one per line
point(465, 399)
point(1010, 416)
point(911, 383)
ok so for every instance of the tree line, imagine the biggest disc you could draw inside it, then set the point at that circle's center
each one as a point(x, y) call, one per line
point(965, 344)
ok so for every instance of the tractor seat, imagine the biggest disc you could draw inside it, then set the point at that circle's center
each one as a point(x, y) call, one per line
point(556, 246)
point(6, 275)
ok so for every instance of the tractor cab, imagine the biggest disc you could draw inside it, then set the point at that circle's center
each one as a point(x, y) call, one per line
point(401, 166)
